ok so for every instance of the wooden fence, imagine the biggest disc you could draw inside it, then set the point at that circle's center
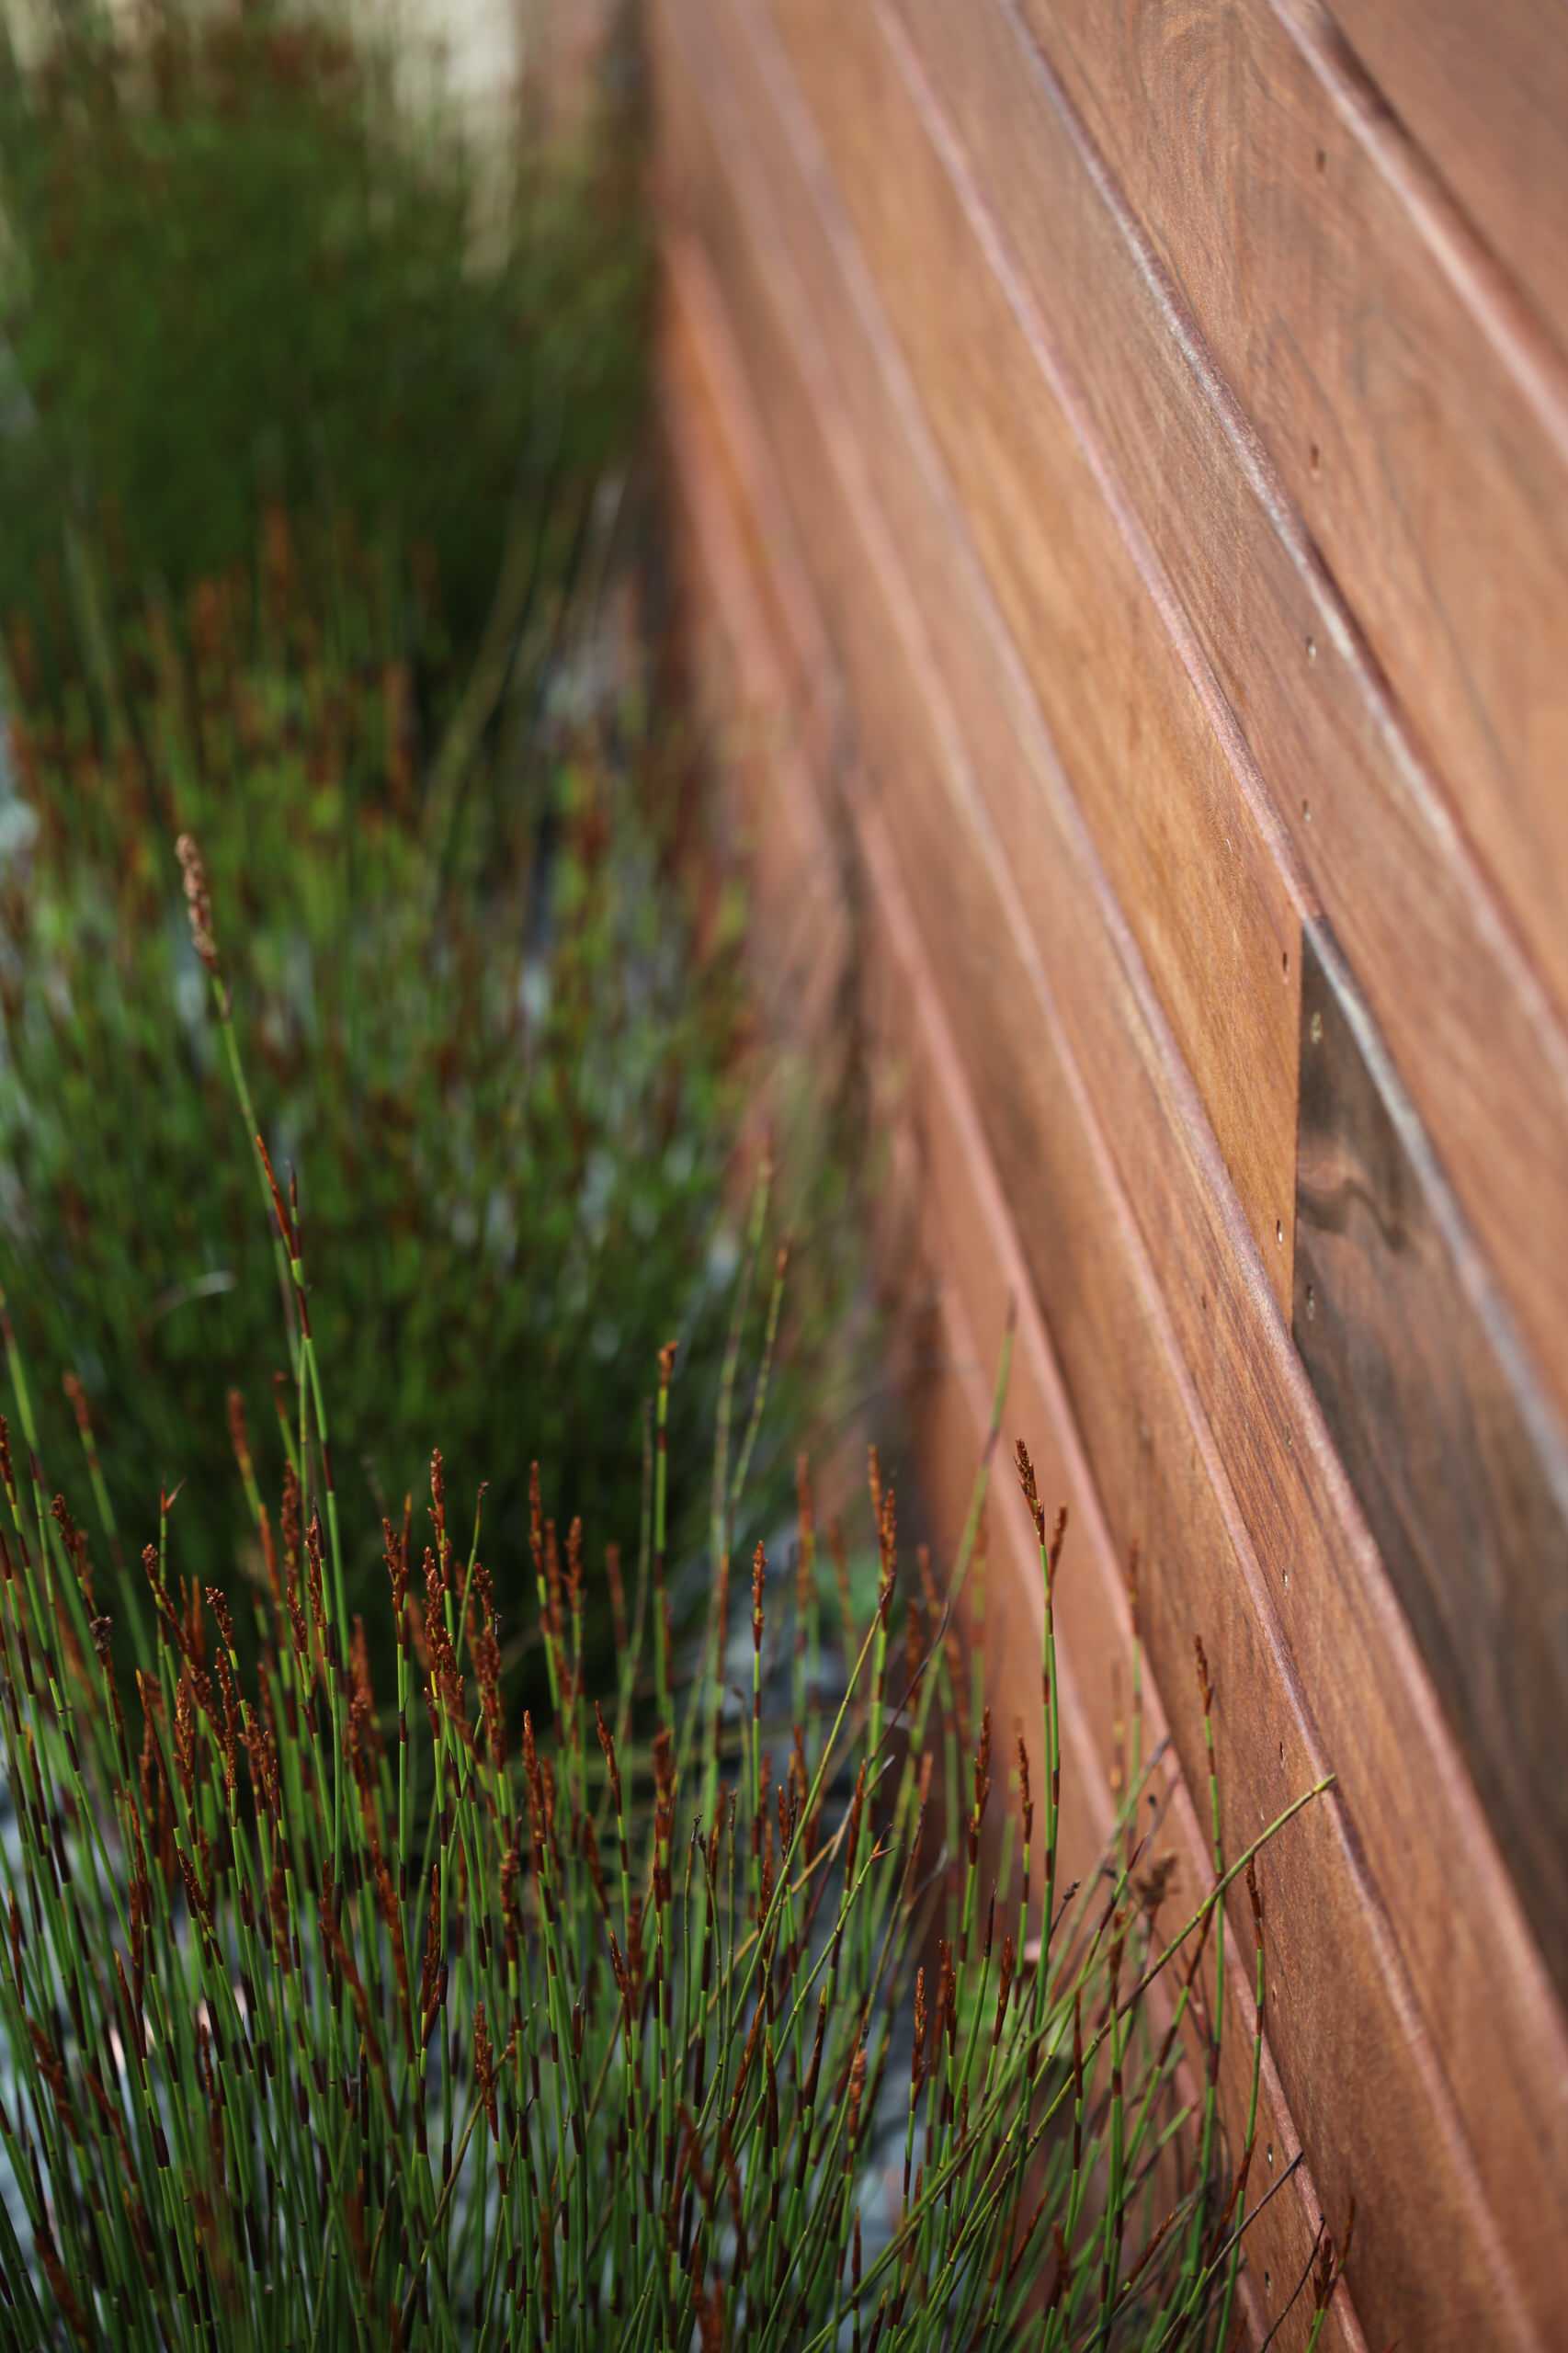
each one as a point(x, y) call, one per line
point(1118, 453)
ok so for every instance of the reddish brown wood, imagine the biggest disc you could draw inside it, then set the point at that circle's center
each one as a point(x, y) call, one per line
point(959, 1195)
point(1484, 90)
point(1457, 1462)
point(1260, 1539)
point(1413, 423)
point(1038, 515)
point(1191, 846)
point(1483, 1052)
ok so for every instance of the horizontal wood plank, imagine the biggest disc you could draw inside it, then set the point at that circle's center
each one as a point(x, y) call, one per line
point(1324, 1601)
point(1462, 1478)
point(1484, 92)
point(965, 1229)
point(1191, 843)
point(1406, 422)
point(875, 143)
point(1480, 1048)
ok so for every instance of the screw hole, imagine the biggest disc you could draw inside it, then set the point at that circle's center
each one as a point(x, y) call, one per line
point(1323, 159)
point(1311, 649)
point(1285, 963)
point(1280, 1232)
point(1314, 457)
point(1306, 812)
point(1268, 2152)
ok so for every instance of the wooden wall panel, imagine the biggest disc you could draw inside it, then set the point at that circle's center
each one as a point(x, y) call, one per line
point(1464, 1483)
point(1484, 92)
point(729, 589)
point(1191, 847)
point(978, 76)
point(1065, 503)
point(1149, 1452)
point(1420, 434)
point(1478, 1044)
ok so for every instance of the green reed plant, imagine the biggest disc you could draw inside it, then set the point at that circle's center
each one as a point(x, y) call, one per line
point(250, 256)
point(688, 2019)
point(310, 412)
point(491, 1032)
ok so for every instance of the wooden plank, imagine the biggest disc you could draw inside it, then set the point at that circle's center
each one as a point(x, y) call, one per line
point(1421, 438)
point(1462, 1478)
point(964, 1227)
point(1191, 845)
point(1093, 1661)
point(1357, 2060)
point(791, 679)
point(884, 163)
point(1477, 1043)
point(798, 902)
point(1485, 91)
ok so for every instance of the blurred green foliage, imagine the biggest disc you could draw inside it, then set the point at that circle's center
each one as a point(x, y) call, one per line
point(508, 1086)
point(302, 452)
point(242, 264)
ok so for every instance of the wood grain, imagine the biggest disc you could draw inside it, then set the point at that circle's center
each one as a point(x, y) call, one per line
point(1419, 435)
point(1035, 1052)
point(1191, 843)
point(759, 731)
point(1482, 1049)
point(1463, 1476)
point(966, 1231)
point(1485, 91)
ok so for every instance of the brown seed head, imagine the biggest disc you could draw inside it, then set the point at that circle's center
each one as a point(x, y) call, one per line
point(217, 1601)
point(1031, 1492)
point(484, 2070)
point(198, 901)
point(857, 2093)
point(606, 1741)
point(887, 1549)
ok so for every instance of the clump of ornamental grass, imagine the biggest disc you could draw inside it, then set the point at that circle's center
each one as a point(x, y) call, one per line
point(735, 2003)
point(313, 413)
point(496, 1027)
point(253, 255)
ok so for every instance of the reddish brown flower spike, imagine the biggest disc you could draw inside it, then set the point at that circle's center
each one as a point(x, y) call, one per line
point(484, 2070)
point(606, 1741)
point(198, 901)
point(217, 1601)
point(1031, 1492)
point(856, 2094)
point(758, 1580)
